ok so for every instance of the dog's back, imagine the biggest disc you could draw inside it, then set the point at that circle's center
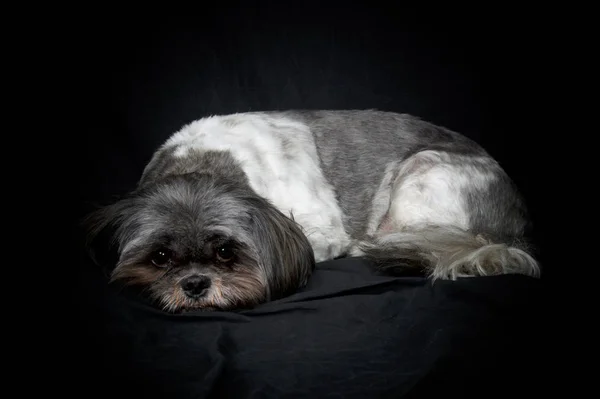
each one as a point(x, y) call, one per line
point(361, 154)
point(416, 193)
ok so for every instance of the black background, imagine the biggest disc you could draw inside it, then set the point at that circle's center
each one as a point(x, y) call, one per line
point(140, 77)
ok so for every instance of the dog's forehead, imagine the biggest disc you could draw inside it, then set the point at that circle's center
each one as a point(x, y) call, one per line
point(192, 234)
point(193, 210)
point(194, 239)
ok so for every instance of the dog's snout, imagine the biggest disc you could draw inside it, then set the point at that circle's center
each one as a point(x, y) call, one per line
point(195, 286)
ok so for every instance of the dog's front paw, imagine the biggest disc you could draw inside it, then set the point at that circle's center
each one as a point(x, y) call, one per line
point(327, 247)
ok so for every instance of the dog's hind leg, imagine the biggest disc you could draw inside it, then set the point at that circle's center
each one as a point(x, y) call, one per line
point(452, 216)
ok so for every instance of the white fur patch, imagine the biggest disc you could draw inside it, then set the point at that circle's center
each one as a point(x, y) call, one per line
point(429, 190)
point(280, 159)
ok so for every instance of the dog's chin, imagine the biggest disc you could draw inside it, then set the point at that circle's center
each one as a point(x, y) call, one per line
point(205, 308)
point(202, 306)
point(176, 305)
point(189, 308)
point(179, 304)
point(197, 309)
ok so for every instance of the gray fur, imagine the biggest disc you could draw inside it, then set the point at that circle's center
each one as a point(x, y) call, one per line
point(361, 154)
point(356, 147)
point(169, 211)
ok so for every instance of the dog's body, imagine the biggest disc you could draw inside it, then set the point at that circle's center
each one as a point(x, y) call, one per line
point(391, 187)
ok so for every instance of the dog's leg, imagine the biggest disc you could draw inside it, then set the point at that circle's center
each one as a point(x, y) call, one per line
point(433, 223)
point(329, 241)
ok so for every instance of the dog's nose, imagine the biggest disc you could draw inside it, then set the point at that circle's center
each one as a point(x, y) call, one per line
point(195, 286)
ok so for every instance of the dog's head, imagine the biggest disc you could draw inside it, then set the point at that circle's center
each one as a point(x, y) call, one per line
point(198, 242)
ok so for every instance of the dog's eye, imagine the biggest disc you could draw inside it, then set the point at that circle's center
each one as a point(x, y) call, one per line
point(225, 253)
point(161, 257)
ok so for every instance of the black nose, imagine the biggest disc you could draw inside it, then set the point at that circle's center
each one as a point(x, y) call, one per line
point(195, 286)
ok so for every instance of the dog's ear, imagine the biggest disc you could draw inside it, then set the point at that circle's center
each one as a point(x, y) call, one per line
point(287, 254)
point(100, 228)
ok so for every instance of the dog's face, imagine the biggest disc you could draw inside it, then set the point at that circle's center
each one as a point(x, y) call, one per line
point(195, 242)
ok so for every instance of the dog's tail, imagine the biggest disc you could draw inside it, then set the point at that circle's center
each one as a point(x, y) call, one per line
point(448, 253)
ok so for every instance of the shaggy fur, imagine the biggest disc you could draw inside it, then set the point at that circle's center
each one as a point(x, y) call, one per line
point(248, 203)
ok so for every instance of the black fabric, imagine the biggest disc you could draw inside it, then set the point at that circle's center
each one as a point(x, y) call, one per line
point(350, 333)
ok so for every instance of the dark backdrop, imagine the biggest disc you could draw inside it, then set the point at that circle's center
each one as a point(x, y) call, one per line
point(139, 78)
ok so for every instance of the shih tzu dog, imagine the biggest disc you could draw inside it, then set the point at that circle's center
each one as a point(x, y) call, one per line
point(236, 210)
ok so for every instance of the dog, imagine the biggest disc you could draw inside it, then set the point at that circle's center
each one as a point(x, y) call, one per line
point(235, 210)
